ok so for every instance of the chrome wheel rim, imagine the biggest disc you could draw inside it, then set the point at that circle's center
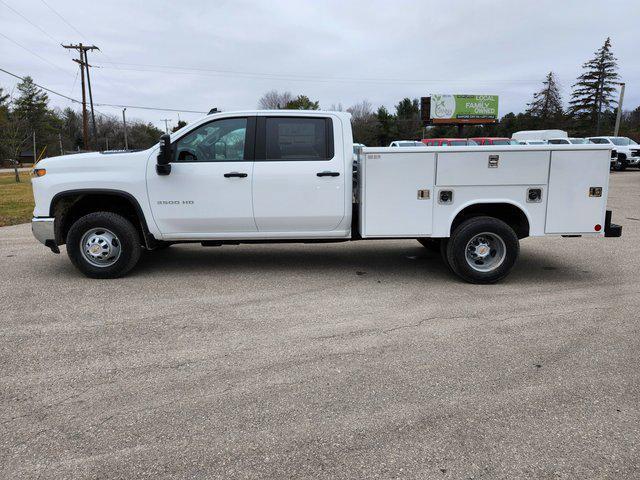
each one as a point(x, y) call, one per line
point(100, 247)
point(485, 252)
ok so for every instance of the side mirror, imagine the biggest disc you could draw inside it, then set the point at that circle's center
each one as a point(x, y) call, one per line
point(163, 164)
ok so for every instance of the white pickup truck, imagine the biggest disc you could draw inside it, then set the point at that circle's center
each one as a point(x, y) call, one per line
point(289, 176)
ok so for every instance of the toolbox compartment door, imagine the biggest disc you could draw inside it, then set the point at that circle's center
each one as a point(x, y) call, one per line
point(571, 207)
point(397, 194)
point(493, 167)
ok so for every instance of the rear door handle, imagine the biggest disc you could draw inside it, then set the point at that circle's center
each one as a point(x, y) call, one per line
point(328, 174)
point(235, 174)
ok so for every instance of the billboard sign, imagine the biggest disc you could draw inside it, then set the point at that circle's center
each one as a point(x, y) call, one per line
point(463, 108)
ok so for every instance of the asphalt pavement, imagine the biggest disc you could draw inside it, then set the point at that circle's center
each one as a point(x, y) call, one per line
point(353, 360)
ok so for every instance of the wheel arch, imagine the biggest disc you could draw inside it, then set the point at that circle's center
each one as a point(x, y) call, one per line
point(510, 212)
point(69, 205)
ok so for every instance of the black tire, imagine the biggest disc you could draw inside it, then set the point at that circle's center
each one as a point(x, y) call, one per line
point(431, 244)
point(621, 164)
point(127, 241)
point(496, 229)
point(443, 254)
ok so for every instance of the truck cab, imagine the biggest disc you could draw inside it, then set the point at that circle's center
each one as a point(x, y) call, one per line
point(289, 176)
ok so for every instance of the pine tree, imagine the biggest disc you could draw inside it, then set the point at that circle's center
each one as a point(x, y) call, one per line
point(593, 92)
point(546, 107)
point(302, 102)
point(31, 105)
point(408, 119)
point(387, 130)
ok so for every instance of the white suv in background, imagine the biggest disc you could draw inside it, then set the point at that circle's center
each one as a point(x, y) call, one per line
point(625, 153)
point(567, 141)
point(406, 143)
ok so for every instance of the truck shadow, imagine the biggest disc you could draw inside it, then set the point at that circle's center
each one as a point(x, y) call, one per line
point(401, 259)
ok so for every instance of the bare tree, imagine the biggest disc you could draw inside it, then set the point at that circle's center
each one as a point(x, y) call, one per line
point(15, 134)
point(361, 111)
point(273, 100)
point(363, 123)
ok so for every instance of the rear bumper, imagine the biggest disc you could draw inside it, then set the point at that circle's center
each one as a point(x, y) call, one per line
point(43, 229)
point(611, 229)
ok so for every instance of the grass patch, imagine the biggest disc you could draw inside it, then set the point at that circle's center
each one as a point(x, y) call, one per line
point(16, 199)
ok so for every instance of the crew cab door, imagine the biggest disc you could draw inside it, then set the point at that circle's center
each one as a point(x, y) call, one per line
point(298, 177)
point(208, 191)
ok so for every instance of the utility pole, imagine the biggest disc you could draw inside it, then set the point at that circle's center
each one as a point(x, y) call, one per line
point(35, 154)
point(619, 115)
point(60, 141)
point(166, 124)
point(82, 50)
point(93, 115)
point(124, 121)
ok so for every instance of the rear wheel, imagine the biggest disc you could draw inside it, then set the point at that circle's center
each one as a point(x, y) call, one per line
point(482, 250)
point(103, 245)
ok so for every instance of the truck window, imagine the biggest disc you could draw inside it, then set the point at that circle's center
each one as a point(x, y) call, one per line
point(217, 141)
point(299, 138)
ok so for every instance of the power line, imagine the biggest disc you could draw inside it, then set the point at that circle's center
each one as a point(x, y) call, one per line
point(75, 80)
point(40, 86)
point(150, 108)
point(104, 104)
point(63, 19)
point(295, 77)
point(34, 53)
point(29, 21)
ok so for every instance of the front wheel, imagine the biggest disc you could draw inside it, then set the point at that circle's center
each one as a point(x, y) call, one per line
point(103, 245)
point(482, 250)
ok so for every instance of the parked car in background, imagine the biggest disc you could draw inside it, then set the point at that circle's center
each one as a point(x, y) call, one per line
point(568, 141)
point(625, 152)
point(448, 142)
point(537, 135)
point(492, 140)
point(532, 142)
point(406, 143)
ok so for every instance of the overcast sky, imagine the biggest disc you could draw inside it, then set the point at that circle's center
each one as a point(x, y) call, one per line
point(228, 53)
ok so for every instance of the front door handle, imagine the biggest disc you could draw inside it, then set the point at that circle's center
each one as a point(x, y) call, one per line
point(235, 174)
point(328, 174)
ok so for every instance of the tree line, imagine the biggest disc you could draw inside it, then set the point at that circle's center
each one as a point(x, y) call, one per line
point(591, 110)
point(26, 111)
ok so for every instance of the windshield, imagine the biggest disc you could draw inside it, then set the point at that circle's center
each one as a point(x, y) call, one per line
point(409, 144)
point(622, 141)
point(578, 141)
point(501, 142)
point(533, 142)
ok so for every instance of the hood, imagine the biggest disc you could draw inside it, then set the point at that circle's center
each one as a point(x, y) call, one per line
point(89, 157)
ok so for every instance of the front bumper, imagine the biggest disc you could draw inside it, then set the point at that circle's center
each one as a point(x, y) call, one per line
point(633, 161)
point(43, 229)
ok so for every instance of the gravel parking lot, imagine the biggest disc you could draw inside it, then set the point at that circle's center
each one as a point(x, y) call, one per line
point(355, 360)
